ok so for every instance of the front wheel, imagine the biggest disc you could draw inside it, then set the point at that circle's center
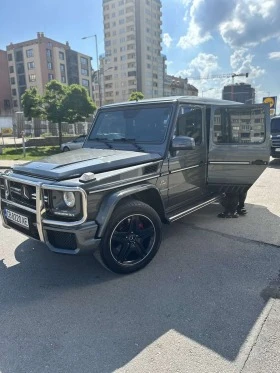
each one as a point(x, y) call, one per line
point(132, 237)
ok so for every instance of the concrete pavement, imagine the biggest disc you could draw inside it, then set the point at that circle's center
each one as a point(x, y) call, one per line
point(208, 302)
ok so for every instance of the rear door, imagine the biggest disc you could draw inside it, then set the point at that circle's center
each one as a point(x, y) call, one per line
point(239, 145)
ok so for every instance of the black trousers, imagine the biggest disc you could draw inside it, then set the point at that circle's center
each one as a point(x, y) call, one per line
point(234, 201)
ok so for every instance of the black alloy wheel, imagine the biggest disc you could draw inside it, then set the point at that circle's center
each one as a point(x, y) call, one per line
point(132, 237)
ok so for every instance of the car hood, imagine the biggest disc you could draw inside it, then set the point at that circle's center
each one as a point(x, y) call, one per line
point(73, 164)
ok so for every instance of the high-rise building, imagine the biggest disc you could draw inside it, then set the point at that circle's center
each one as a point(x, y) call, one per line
point(34, 63)
point(5, 89)
point(239, 92)
point(133, 59)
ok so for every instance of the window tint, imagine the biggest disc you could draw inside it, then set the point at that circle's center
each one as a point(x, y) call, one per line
point(239, 126)
point(275, 125)
point(189, 123)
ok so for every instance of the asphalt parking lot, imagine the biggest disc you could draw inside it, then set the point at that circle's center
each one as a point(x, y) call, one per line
point(208, 302)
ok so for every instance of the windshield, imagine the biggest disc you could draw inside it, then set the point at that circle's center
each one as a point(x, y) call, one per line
point(139, 124)
point(275, 125)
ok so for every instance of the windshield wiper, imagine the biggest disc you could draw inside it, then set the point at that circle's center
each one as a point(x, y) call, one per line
point(130, 141)
point(102, 140)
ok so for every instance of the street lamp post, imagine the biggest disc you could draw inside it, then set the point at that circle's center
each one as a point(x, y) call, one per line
point(97, 65)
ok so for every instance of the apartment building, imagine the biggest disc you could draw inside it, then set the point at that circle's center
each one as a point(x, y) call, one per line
point(133, 59)
point(34, 63)
point(177, 86)
point(5, 90)
point(239, 92)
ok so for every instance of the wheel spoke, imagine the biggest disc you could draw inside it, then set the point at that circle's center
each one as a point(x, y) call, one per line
point(145, 233)
point(133, 224)
point(125, 250)
point(140, 249)
point(120, 237)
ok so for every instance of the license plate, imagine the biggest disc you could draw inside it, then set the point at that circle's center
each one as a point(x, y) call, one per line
point(277, 149)
point(17, 218)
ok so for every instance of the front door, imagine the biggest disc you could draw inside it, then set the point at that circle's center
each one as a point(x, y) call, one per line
point(239, 147)
point(187, 168)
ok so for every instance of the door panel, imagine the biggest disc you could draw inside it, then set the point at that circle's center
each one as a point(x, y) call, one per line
point(187, 168)
point(239, 146)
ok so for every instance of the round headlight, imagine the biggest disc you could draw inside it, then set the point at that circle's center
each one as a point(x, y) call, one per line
point(69, 199)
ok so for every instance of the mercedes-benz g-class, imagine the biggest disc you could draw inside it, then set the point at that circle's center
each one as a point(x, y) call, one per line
point(143, 164)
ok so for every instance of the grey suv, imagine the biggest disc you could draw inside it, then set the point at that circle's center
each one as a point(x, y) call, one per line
point(142, 165)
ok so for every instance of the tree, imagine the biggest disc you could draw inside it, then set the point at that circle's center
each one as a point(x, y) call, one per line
point(32, 104)
point(54, 104)
point(77, 104)
point(136, 96)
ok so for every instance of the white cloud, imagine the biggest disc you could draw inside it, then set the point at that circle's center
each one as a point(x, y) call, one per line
point(202, 65)
point(168, 63)
point(242, 62)
point(274, 56)
point(167, 40)
point(241, 23)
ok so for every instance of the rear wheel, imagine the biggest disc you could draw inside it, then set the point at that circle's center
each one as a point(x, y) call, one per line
point(66, 149)
point(132, 237)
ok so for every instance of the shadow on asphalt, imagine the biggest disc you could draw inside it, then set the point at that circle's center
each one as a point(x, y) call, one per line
point(62, 313)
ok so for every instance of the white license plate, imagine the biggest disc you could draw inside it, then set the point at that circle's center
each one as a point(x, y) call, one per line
point(17, 218)
point(277, 149)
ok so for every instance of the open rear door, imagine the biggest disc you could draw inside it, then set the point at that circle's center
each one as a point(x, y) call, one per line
point(239, 144)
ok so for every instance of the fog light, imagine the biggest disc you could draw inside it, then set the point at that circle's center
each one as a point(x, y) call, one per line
point(69, 199)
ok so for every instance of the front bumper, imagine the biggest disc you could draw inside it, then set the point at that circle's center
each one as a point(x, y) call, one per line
point(274, 153)
point(62, 237)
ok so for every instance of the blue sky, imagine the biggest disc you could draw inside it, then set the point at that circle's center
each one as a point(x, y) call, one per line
point(201, 37)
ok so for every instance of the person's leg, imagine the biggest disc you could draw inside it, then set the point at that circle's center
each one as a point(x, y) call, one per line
point(241, 204)
point(230, 204)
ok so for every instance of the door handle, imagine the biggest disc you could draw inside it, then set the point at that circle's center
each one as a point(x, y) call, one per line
point(259, 162)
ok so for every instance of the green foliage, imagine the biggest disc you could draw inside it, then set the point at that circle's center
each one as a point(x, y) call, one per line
point(32, 104)
point(136, 96)
point(53, 99)
point(33, 153)
point(77, 104)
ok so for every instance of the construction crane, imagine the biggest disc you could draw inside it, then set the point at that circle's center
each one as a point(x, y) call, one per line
point(219, 76)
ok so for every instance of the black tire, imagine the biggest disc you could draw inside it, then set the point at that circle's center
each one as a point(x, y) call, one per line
point(66, 149)
point(132, 237)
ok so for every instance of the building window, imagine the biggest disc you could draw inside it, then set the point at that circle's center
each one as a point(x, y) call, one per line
point(61, 55)
point(10, 57)
point(14, 92)
point(85, 82)
point(148, 65)
point(11, 68)
point(63, 79)
point(48, 53)
point(29, 53)
point(32, 78)
point(50, 66)
point(13, 80)
point(15, 103)
point(84, 61)
point(50, 77)
point(84, 72)
point(19, 56)
point(21, 80)
point(30, 65)
point(62, 68)
point(121, 21)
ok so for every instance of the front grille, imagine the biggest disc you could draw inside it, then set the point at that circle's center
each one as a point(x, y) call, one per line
point(23, 194)
point(2, 188)
point(62, 240)
point(276, 142)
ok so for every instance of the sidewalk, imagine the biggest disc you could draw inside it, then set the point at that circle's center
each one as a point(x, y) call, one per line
point(8, 164)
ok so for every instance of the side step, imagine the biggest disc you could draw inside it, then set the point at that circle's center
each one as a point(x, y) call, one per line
point(194, 208)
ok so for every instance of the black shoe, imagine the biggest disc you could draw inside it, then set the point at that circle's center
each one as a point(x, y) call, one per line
point(228, 215)
point(241, 211)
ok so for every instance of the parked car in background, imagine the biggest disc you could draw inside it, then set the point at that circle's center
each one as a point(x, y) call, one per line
point(74, 144)
point(275, 137)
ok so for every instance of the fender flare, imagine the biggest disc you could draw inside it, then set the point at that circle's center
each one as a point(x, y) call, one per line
point(109, 203)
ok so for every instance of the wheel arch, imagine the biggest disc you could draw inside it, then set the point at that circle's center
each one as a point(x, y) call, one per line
point(148, 194)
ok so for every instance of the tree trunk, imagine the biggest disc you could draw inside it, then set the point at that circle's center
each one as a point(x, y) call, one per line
point(60, 133)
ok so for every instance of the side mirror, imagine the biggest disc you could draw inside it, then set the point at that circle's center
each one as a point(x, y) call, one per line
point(182, 143)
